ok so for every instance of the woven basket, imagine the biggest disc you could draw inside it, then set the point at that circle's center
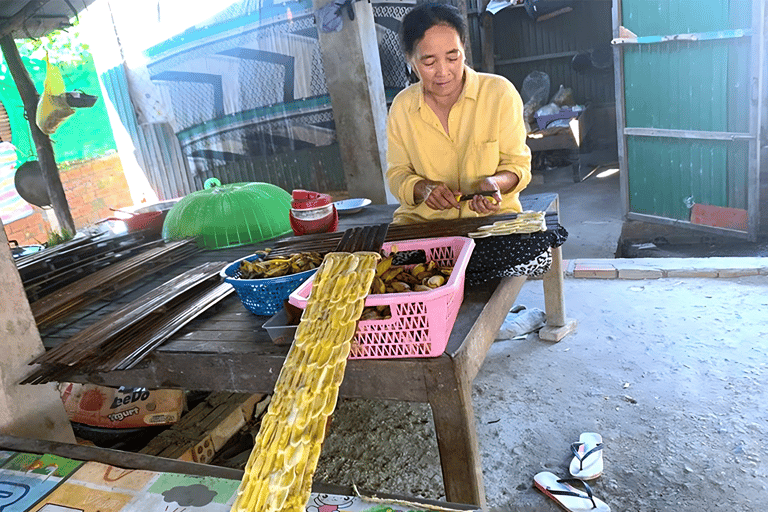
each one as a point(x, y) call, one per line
point(263, 296)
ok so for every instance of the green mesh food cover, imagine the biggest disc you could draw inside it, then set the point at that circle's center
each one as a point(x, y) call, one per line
point(230, 215)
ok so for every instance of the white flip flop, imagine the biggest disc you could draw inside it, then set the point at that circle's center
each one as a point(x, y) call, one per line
point(568, 497)
point(587, 462)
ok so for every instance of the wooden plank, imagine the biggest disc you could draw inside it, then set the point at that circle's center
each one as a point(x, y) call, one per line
point(674, 222)
point(393, 379)
point(206, 345)
point(687, 134)
point(696, 36)
point(117, 458)
point(719, 216)
point(537, 58)
point(200, 337)
point(757, 118)
point(621, 119)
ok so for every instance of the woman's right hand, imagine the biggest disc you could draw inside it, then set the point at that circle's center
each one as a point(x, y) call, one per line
point(435, 195)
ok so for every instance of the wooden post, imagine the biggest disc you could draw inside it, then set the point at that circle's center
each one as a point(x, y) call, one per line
point(558, 326)
point(486, 41)
point(45, 154)
point(353, 74)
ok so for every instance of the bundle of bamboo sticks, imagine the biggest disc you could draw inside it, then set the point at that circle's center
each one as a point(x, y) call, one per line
point(107, 280)
point(120, 340)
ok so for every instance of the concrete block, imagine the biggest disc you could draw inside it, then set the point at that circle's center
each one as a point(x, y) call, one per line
point(594, 271)
point(737, 272)
point(640, 273)
point(692, 272)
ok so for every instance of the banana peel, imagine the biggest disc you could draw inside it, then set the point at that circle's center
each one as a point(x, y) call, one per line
point(422, 277)
point(279, 267)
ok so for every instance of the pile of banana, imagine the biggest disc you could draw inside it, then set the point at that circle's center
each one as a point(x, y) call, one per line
point(421, 278)
point(279, 267)
point(525, 222)
point(278, 475)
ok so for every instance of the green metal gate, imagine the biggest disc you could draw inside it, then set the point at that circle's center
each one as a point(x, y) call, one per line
point(689, 97)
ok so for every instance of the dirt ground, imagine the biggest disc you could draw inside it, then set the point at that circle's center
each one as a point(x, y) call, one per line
point(670, 372)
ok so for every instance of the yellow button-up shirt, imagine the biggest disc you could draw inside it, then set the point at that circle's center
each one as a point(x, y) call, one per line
point(486, 135)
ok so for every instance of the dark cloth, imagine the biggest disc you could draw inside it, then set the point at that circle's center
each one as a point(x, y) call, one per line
point(513, 255)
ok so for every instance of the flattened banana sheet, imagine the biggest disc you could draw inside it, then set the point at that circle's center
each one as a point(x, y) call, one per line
point(278, 476)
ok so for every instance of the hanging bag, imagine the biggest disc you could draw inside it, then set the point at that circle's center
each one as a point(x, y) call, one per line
point(52, 108)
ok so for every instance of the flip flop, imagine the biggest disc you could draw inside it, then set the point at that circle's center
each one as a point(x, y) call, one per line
point(587, 462)
point(568, 497)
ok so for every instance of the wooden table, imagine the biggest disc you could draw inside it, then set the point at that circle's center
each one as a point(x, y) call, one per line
point(228, 350)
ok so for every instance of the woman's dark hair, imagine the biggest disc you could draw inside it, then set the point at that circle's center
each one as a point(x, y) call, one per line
point(425, 16)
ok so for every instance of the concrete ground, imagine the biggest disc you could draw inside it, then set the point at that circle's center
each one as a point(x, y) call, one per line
point(668, 364)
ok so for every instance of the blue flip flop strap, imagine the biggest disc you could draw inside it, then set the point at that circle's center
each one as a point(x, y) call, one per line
point(587, 488)
point(575, 450)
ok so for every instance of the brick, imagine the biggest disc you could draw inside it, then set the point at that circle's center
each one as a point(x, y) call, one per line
point(640, 273)
point(737, 272)
point(594, 271)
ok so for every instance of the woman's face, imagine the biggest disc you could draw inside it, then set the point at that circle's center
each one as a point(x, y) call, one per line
point(438, 59)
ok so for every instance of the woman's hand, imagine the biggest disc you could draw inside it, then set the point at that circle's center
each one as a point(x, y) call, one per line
point(487, 205)
point(435, 194)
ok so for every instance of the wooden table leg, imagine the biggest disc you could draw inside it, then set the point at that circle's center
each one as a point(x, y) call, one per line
point(554, 301)
point(450, 397)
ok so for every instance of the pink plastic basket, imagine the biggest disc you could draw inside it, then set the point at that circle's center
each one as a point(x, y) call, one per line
point(421, 322)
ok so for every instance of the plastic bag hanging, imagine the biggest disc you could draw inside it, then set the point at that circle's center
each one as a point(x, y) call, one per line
point(52, 108)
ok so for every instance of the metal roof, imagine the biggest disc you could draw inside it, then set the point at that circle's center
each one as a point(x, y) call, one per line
point(36, 18)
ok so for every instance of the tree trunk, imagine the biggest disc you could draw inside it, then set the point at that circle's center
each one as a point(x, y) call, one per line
point(43, 146)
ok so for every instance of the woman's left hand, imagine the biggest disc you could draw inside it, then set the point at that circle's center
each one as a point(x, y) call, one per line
point(487, 205)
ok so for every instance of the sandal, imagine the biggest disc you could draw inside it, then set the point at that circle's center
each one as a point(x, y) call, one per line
point(587, 462)
point(568, 497)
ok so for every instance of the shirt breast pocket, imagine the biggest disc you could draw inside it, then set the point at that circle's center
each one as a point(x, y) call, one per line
point(482, 159)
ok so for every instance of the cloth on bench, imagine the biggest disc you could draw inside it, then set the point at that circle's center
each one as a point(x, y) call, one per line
point(513, 255)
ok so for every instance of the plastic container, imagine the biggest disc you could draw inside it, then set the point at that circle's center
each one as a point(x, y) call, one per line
point(312, 212)
point(221, 216)
point(278, 329)
point(262, 296)
point(564, 113)
point(421, 322)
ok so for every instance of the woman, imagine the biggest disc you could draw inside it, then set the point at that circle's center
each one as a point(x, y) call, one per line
point(455, 131)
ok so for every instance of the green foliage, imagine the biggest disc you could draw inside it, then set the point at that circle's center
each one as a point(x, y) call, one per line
point(62, 46)
point(56, 238)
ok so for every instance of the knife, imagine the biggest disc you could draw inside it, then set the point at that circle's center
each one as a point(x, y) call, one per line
point(467, 197)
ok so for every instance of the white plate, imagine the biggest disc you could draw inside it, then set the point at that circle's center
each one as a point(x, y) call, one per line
point(351, 205)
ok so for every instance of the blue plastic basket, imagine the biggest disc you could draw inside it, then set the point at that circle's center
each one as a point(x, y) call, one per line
point(263, 296)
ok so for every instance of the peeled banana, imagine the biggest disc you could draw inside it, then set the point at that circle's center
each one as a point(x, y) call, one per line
point(278, 475)
point(525, 222)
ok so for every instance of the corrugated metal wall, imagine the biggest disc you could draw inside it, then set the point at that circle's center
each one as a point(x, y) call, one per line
point(701, 86)
point(157, 148)
point(311, 169)
point(522, 45)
